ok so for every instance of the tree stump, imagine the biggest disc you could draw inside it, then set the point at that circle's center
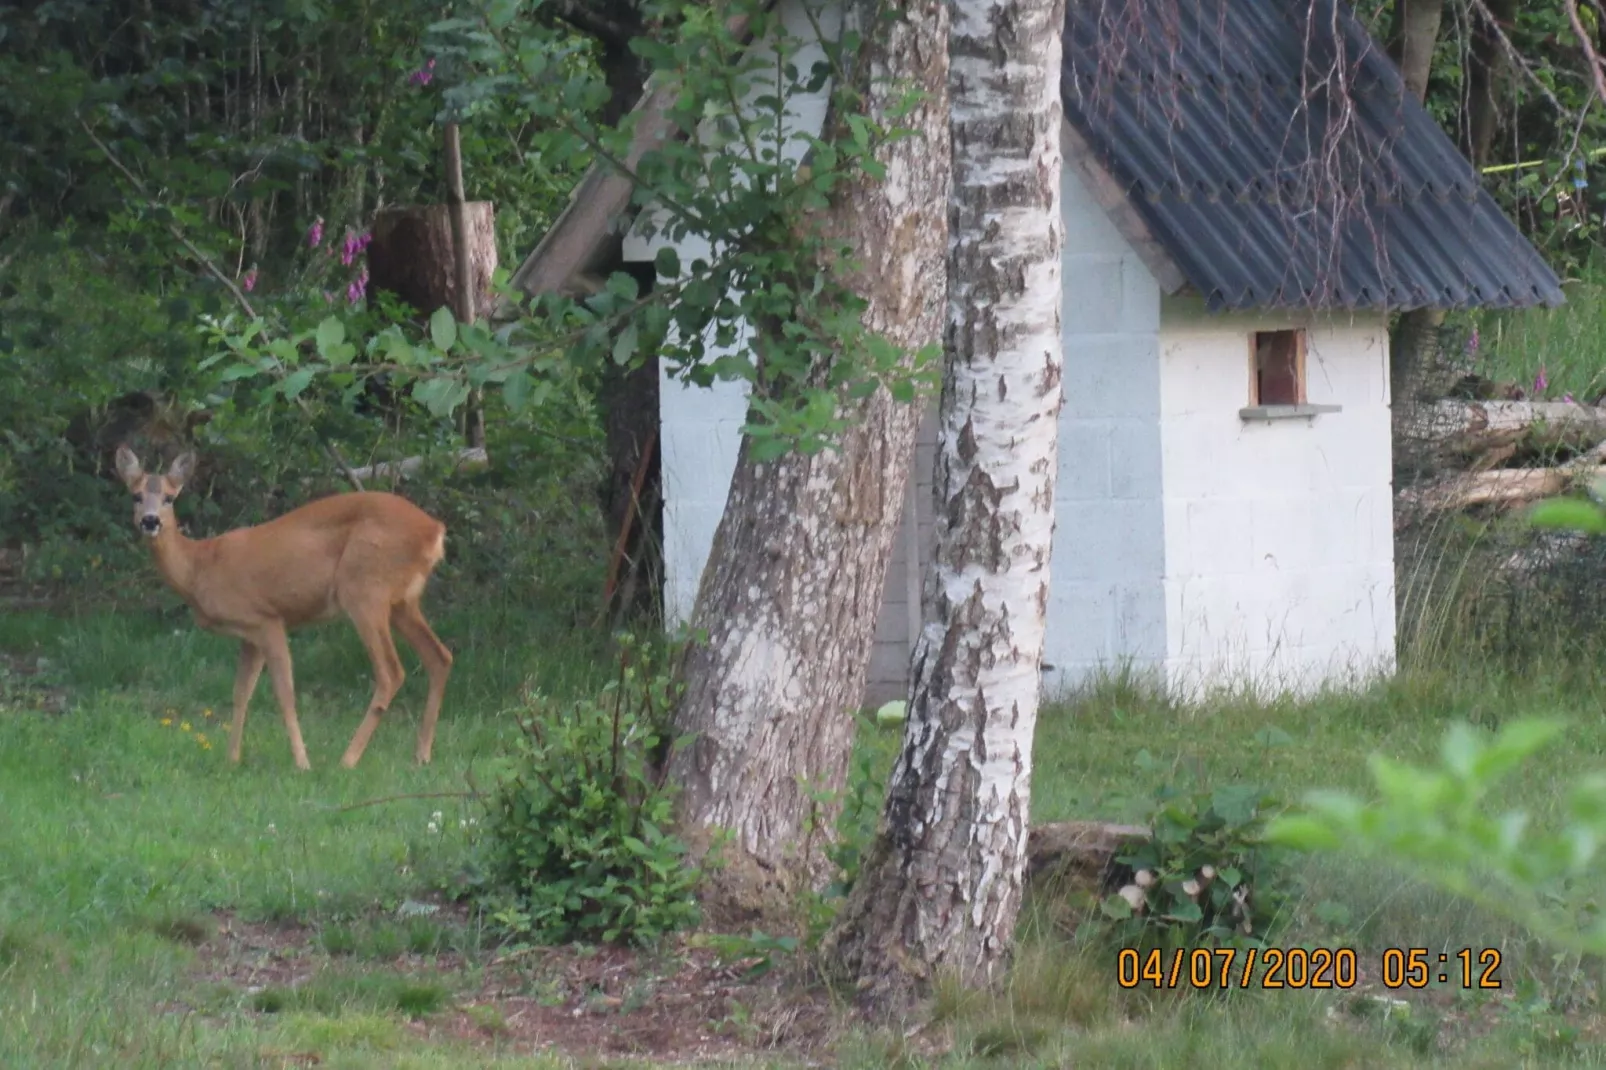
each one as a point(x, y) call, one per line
point(411, 254)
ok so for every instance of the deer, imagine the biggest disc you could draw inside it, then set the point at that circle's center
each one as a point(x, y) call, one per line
point(367, 554)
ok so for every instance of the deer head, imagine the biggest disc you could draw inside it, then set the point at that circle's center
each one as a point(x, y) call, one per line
point(154, 494)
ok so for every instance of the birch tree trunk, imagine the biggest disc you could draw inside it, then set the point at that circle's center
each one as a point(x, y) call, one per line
point(939, 890)
point(792, 589)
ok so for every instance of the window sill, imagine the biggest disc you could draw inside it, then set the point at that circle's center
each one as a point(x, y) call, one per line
point(1286, 412)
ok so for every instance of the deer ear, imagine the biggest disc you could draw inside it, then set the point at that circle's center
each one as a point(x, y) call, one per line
point(128, 466)
point(183, 465)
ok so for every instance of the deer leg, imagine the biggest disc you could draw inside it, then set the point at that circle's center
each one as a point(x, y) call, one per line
point(246, 675)
point(409, 620)
point(275, 646)
point(373, 626)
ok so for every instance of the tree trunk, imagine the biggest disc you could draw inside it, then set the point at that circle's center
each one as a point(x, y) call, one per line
point(1412, 37)
point(1486, 79)
point(939, 890)
point(631, 494)
point(792, 589)
point(1414, 345)
point(627, 396)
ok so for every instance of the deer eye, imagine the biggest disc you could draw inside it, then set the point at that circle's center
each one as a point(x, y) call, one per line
point(167, 498)
point(138, 498)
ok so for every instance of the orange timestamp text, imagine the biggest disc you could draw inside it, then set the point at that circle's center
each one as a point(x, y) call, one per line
point(1230, 967)
point(1303, 968)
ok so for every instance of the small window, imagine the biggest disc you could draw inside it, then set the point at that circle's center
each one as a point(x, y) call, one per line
point(1279, 368)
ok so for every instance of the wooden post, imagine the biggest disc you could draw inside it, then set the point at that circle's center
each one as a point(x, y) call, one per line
point(473, 409)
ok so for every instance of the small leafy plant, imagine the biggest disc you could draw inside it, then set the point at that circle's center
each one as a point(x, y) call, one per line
point(1205, 875)
point(579, 830)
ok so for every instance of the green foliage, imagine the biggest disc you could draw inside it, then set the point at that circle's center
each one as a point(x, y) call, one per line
point(730, 178)
point(63, 372)
point(254, 121)
point(441, 362)
point(861, 811)
point(1569, 514)
point(1207, 873)
point(1549, 133)
point(579, 830)
point(1437, 820)
point(162, 151)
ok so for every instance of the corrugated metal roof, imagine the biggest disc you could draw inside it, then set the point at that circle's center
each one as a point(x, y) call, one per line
point(1271, 148)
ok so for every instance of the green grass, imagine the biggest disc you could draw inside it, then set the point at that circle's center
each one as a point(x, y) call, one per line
point(125, 844)
point(1565, 342)
point(121, 836)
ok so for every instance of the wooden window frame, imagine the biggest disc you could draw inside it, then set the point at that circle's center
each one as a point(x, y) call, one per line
point(1301, 344)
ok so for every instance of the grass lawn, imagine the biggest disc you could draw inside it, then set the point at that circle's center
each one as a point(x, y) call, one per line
point(161, 908)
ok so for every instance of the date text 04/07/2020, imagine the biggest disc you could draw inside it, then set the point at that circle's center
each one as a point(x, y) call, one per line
point(1298, 967)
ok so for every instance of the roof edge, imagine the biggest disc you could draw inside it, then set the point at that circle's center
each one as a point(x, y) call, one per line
point(1122, 213)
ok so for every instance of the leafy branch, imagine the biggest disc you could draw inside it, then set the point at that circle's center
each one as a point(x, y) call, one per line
point(217, 273)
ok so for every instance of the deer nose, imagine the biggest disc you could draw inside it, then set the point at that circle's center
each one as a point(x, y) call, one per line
point(150, 522)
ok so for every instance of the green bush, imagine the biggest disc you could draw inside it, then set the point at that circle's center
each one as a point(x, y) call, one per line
point(1206, 874)
point(578, 831)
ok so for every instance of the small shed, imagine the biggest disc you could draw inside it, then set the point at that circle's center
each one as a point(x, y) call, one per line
point(1248, 193)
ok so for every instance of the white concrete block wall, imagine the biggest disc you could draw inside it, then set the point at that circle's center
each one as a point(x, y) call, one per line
point(1279, 540)
point(1106, 602)
point(1188, 541)
point(699, 435)
point(700, 428)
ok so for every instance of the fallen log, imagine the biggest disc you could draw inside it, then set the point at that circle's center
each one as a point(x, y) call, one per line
point(1538, 445)
point(468, 458)
point(1080, 850)
point(1451, 417)
point(1503, 487)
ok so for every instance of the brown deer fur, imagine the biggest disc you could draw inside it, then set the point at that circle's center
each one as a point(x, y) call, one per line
point(367, 555)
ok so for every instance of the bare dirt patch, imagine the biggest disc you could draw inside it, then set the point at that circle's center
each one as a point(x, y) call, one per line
point(681, 1003)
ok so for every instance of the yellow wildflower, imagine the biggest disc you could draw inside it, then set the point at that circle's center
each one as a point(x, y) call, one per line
point(200, 737)
point(206, 713)
point(185, 725)
point(165, 721)
point(205, 745)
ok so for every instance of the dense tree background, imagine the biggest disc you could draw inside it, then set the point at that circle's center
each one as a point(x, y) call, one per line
point(245, 122)
point(246, 129)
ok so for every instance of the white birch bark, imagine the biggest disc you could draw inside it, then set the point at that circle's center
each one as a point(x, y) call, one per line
point(940, 889)
point(792, 589)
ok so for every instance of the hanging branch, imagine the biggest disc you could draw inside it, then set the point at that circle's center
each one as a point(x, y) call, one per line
point(1598, 78)
point(229, 284)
